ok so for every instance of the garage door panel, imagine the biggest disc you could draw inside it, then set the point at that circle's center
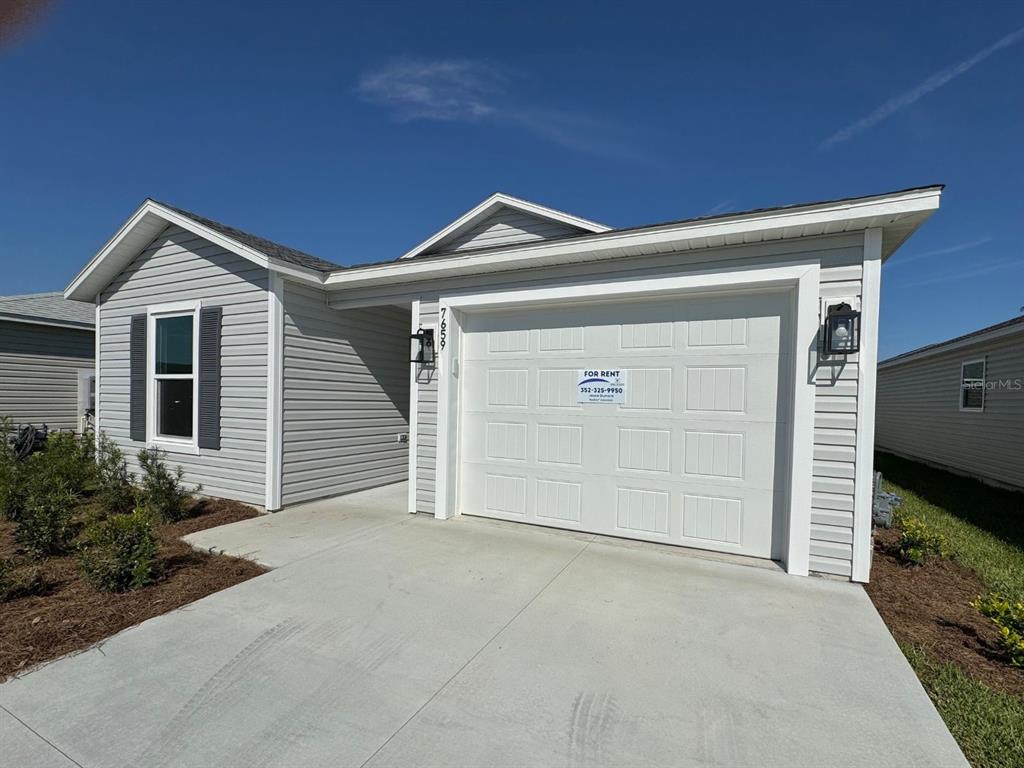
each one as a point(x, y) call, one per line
point(688, 458)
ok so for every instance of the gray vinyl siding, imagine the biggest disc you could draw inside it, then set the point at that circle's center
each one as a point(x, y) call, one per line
point(835, 432)
point(179, 266)
point(346, 396)
point(506, 227)
point(918, 412)
point(39, 367)
point(835, 420)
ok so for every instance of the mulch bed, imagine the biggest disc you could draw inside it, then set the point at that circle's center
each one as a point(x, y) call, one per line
point(71, 615)
point(930, 606)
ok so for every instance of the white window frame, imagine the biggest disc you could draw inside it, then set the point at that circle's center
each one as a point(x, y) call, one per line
point(960, 394)
point(167, 442)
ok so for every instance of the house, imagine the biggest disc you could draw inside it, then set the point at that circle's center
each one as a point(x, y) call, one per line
point(47, 360)
point(665, 382)
point(958, 404)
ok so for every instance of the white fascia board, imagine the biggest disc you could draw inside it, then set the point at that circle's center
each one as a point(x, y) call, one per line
point(864, 213)
point(952, 346)
point(495, 201)
point(78, 288)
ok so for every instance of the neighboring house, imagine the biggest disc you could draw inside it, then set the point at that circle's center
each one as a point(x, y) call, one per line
point(959, 404)
point(47, 368)
point(661, 382)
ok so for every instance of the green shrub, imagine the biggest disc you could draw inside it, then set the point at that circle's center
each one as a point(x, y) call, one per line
point(12, 479)
point(18, 582)
point(161, 492)
point(115, 485)
point(120, 553)
point(46, 525)
point(1009, 617)
point(918, 542)
point(66, 460)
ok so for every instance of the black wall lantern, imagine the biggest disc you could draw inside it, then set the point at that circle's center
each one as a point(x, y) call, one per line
point(842, 330)
point(422, 346)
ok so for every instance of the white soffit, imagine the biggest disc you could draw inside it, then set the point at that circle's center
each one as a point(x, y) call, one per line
point(898, 215)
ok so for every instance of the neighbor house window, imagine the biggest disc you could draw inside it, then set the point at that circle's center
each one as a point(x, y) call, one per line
point(972, 385)
point(172, 375)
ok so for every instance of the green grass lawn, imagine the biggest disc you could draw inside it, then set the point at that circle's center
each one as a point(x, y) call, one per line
point(988, 725)
point(984, 525)
point(985, 528)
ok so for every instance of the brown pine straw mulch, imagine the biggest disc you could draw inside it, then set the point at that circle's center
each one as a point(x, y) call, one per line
point(930, 606)
point(71, 615)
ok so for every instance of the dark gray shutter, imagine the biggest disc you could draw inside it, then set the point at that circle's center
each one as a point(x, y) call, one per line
point(137, 378)
point(209, 377)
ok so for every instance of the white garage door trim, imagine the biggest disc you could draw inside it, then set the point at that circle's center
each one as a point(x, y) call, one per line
point(802, 277)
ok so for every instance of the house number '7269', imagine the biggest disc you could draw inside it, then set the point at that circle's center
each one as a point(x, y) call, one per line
point(443, 335)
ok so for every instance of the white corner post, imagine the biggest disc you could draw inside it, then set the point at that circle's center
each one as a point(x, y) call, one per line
point(866, 387)
point(446, 340)
point(275, 389)
point(414, 411)
point(97, 336)
point(801, 468)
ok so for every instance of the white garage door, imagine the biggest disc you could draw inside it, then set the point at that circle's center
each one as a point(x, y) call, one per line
point(683, 452)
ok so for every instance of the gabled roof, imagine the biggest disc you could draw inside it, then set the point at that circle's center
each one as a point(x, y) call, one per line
point(497, 201)
point(261, 244)
point(47, 309)
point(997, 331)
point(152, 217)
point(897, 214)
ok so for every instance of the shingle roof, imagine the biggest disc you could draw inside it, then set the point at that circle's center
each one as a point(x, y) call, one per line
point(264, 246)
point(49, 307)
point(956, 340)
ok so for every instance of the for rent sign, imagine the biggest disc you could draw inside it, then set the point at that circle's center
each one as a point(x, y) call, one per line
point(601, 386)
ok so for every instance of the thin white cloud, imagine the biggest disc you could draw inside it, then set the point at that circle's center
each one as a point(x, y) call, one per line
point(722, 207)
point(933, 83)
point(900, 260)
point(472, 91)
point(417, 89)
point(967, 274)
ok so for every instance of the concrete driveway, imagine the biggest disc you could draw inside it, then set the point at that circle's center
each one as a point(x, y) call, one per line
point(384, 639)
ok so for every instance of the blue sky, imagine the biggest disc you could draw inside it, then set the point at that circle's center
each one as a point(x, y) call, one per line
point(353, 131)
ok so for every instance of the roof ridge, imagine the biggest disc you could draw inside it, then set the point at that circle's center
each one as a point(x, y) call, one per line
point(963, 337)
point(268, 247)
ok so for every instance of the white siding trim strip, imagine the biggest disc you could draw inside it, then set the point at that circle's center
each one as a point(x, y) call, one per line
point(866, 388)
point(96, 367)
point(275, 390)
point(414, 409)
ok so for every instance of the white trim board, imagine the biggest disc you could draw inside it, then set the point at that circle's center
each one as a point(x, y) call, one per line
point(165, 442)
point(803, 277)
point(414, 412)
point(899, 211)
point(275, 392)
point(863, 496)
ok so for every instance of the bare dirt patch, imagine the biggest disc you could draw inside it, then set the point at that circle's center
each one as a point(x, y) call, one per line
point(930, 606)
point(70, 615)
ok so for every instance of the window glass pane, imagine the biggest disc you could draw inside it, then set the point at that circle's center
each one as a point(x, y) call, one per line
point(174, 407)
point(973, 397)
point(974, 370)
point(174, 345)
